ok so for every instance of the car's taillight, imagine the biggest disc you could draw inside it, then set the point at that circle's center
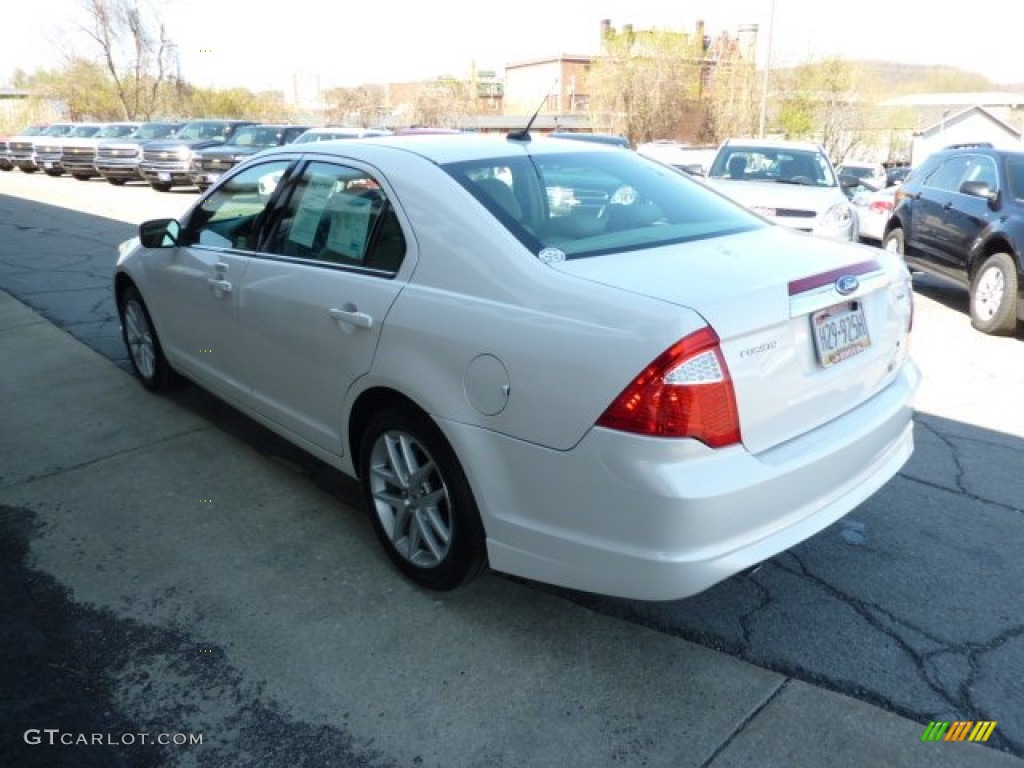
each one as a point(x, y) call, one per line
point(881, 206)
point(685, 392)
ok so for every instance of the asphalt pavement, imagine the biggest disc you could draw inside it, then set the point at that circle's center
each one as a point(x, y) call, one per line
point(161, 577)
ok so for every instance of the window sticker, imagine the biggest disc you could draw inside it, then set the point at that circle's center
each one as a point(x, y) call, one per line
point(350, 225)
point(307, 218)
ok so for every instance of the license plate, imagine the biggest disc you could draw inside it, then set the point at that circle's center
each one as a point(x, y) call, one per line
point(840, 332)
point(48, 166)
point(212, 177)
point(163, 176)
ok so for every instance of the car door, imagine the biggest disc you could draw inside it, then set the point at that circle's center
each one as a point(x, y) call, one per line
point(965, 217)
point(315, 299)
point(195, 287)
point(931, 232)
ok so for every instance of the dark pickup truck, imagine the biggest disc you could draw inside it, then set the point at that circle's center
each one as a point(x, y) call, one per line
point(167, 163)
point(208, 164)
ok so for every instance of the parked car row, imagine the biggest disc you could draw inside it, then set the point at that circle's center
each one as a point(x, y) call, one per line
point(164, 154)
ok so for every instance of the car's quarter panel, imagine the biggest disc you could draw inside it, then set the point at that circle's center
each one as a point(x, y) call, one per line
point(569, 347)
point(656, 519)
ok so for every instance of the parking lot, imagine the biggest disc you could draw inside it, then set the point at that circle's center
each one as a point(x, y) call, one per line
point(155, 533)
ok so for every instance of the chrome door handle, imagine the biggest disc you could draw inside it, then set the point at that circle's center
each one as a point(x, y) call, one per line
point(219, 285)
point(352, 317)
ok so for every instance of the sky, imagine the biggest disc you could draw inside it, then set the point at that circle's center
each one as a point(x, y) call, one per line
point(224, 43)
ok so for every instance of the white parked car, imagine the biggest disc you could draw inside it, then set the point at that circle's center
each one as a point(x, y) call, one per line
point(872, 173)
point(791, 183)
point(874, 207)
point(560, 359)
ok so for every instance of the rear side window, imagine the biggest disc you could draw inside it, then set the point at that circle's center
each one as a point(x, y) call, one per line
point(1015, 176)
point(340, 215)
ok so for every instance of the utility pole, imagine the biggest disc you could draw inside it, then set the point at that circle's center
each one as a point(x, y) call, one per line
point(767, 70)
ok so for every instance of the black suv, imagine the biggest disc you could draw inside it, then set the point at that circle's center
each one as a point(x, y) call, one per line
point(208, 164)
point(960, 215)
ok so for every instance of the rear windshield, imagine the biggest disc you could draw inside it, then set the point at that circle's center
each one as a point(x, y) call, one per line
point(575, 205)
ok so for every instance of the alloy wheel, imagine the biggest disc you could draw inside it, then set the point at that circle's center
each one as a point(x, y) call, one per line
point(139, 337)
point(411, 499)
point(989, 293)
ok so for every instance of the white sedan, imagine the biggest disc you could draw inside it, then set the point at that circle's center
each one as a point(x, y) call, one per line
point(561, 360)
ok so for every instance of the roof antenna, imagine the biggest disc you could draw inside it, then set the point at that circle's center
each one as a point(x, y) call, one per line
point(524, 135)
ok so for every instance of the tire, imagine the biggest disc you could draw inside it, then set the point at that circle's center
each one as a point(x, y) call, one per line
point(894, 242)
point(160, 187)
point(81, 176)
point(55, 174)
point(116, 182)
point(430, 528)
point(29, 170)
point(994, 295)
point(142, 343)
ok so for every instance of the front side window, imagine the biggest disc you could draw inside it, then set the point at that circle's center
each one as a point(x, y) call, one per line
point(229, 215)
point(981, 168)
point(574, 205)
point(948, 175)
point(340, 215)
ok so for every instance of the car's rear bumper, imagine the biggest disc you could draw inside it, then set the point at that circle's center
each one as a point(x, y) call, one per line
point(657, 519)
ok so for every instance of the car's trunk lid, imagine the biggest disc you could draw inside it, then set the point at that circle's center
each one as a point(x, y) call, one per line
point(768, 295)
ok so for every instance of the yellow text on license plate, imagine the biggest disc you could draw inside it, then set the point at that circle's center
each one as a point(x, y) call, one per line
point(840, 332)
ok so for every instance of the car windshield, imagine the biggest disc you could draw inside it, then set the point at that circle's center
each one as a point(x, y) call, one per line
point(575, 205)
point(84, 131)
point(860, 171)
point(256, 136)
point(33, 130)
point(58, 130)
point(194, 131)
point(155, 131)
point(770, 164)
point(114, 131)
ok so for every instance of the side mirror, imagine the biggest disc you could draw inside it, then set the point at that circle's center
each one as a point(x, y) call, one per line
point(848, 181)
point(979, 189)
point(159, 233)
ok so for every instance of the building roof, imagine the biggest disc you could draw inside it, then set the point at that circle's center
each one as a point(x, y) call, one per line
point(962, 115)
point(968, 99)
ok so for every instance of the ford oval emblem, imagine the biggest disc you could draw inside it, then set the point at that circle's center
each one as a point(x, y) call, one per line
point(847, 284)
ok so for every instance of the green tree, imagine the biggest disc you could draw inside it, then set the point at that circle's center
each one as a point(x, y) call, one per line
point(646, 84)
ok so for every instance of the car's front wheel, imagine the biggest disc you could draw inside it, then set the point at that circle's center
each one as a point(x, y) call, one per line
point(994, 295)
point(894, 242)
point(421, 504)
point(144, 350)
point(160, 187)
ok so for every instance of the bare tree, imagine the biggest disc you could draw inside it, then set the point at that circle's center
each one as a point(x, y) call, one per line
point(135, 50)
point(363, 105)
